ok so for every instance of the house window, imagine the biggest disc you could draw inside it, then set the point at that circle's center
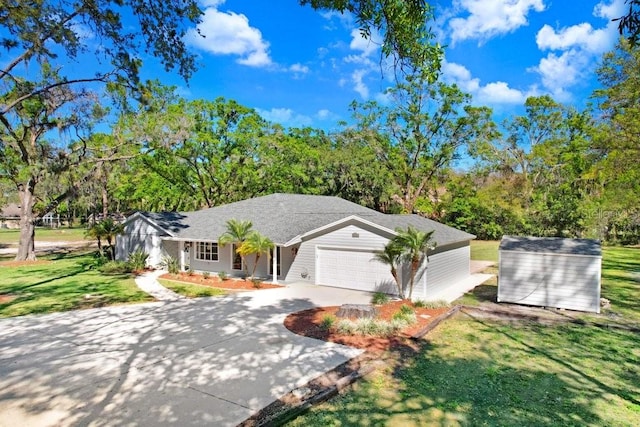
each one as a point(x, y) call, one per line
point(206, 251)
point(278, 261)
point(237, 259)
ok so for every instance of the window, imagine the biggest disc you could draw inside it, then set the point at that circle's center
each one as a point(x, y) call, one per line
point(237, 259)
point(206, 251)
point(278, 261)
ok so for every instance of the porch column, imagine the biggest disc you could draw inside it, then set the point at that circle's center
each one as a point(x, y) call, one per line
point(274, 265)
point(182, 254)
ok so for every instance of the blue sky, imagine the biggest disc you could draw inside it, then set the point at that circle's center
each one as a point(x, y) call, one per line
point(300, 67)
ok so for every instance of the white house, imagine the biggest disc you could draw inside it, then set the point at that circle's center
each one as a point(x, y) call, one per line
point(319, 240)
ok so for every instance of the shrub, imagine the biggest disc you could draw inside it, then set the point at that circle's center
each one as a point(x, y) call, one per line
point(328, 321)
point(379, 298)
point(406, 318)
point(138, 260)
point(435, 304)
point(115, 268)
point(257, 283)
point(222, 275)
point(405, 314)
point(419, 303)
point(190, 272)
point(172, 264)
point(374, 327)
point(205, 275)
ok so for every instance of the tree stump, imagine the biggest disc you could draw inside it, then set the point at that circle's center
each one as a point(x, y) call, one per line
point(358, 311)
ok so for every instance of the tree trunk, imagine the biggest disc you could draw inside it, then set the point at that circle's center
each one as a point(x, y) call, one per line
point(26, 245)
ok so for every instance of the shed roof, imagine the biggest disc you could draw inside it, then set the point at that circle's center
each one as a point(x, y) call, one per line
point(555, 245)
point(283, 217)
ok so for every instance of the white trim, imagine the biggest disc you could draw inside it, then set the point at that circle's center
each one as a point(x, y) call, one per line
point(274, 263)
point(298, 238)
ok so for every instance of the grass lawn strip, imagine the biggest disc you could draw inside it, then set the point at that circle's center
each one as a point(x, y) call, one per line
point(66, 282)
point(191, 290)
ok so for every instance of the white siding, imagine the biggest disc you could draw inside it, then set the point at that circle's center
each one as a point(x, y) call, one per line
point(303, 267)
point(140, 235)
point(550, 280)
point(447, 266)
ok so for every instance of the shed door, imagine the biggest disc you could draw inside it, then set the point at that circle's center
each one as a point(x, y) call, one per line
point(352, 269)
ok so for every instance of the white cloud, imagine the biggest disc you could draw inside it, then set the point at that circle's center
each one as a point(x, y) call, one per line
point(211, 3)
point(559, 72)
point(492, 93)
point(581, 35)
point(357, 78)
point(285, 116)
point(578, 48)
point(366, 46)
point(229, 33)
point(489, 18)
point(326, 115)
point(299, 68)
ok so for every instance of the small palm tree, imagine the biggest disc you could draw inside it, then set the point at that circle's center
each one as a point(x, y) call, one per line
point(94, 232)
point(414, 247)
point(109, 229)
point(236, 234)
point(257, 244)
point(390, 256)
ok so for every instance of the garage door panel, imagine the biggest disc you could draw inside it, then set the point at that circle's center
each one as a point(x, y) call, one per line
point(353, 269)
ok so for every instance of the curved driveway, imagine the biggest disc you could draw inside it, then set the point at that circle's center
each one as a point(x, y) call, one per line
point(190, 362)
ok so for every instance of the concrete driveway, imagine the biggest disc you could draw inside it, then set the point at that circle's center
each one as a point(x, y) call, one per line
point(215, 360)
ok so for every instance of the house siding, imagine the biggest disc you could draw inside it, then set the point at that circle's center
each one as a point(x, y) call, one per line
point(447, 265)
point(550, 280)
point(303, 267)
point(140, 235)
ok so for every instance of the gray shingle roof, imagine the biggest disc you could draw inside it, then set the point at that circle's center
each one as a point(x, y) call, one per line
point(555, 245)
point(282, 217)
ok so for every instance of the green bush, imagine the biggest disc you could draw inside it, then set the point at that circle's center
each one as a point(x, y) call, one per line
point(190, 272)
point(373, 327)
point(407, 318)
point(328, 321)
point(138, 260)
point(205, 274)
point(222, 275)
point(433, 304)
point(406, 310)
point(115, 268)
point(257, 283)
point(171, 264)
point(379, 298)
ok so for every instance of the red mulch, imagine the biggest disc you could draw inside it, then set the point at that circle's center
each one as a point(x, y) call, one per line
point(308, 323)
point(215, 282)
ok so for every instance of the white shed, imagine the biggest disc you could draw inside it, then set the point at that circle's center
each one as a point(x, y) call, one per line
point(550, 272)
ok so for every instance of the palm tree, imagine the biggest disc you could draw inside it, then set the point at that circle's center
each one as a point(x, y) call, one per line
point(109, 229)
point(414, 246)
point(94, 232)
point(257, 244)
point(390, 255)
point(236, 234)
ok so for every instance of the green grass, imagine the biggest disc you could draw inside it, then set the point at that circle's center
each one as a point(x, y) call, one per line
point(484, 250)
point(191, 290)
point(66, 282)
point(11, 237)
point(477, 372)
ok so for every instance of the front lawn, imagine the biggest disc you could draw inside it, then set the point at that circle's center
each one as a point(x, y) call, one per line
point(484, 250)
point(473, 371)
point(63, 234)
point(60, 283)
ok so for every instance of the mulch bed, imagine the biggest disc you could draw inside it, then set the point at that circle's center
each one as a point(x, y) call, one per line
point(215, 282)
point(308, 323)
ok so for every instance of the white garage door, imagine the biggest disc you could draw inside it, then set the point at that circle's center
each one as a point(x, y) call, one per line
point(353, 269)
